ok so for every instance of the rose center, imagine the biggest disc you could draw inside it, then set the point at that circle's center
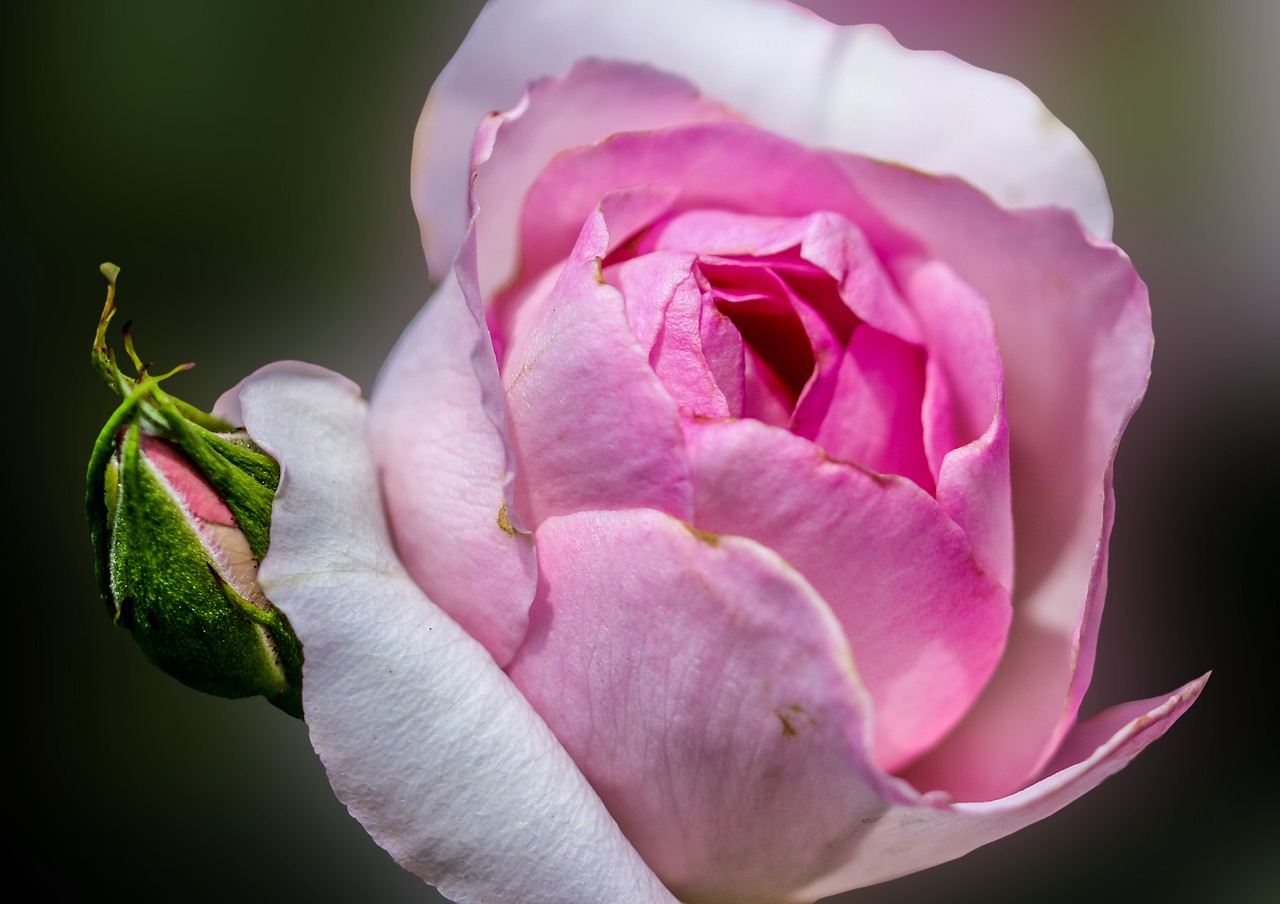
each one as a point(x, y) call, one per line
point(770, 337)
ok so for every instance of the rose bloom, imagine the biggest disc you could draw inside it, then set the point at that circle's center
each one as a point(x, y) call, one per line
point(732, 523)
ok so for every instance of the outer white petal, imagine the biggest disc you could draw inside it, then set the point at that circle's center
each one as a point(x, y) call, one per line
point(847, 87)
point(424, 738)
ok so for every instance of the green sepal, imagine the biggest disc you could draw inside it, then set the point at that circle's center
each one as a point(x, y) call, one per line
point(218, 459)
point(287, 648)
point(101, 491)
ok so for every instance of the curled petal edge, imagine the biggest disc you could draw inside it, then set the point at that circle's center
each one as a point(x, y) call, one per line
point(437, 429)
point(908, 838)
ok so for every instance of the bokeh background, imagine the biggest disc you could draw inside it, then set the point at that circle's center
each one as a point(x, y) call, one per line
point(247, 164)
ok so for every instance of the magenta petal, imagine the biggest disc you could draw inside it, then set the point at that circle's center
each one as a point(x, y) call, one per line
point(423, 737)
point(874, 416)
point(591, 424)
point(926, 624)
point(442, 450)
point(1076, 363)
point(909, 838)
point(707, 693)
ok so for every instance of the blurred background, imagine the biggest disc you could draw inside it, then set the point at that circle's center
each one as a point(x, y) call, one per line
point(247, 166)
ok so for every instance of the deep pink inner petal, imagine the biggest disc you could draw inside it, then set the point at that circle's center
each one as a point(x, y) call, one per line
point(774, 333)
point(801, 326)
point(765, 398)
point(874, 417)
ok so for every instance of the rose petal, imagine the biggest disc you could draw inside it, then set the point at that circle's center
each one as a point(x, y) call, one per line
point(423, 737)
point(725, 354)
point(852, 88)
point(966, 431)
point(1074, 330)
point(670, 318)
point(725, 165)
point(778, 329)
point(588, 104)
point(874, 419)
point(831, 243)
point(925, 623)
point(909, 838)
point(187, 483)
point(591, 424)
point(438, 432)
point(707, 693)
point(517, 310)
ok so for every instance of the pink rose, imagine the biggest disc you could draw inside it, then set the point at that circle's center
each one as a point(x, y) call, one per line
point(745, 498)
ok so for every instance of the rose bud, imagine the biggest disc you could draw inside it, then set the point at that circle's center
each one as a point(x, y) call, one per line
point(179, 506)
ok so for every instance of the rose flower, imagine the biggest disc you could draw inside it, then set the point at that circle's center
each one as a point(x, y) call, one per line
point(732, 522)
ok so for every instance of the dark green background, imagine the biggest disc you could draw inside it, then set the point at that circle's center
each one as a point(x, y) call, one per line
point(247, 166)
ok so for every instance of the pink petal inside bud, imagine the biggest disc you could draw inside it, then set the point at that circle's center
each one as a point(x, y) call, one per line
point(210, 517)
point(188, 484)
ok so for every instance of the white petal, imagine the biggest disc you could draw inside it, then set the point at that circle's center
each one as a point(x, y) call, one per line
point(424, 738)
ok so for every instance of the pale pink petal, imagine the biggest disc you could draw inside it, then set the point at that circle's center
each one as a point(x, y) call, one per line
point(905, 839)
point(517, 310)
point(591, 424)
point(925, 623)
point(438, 432)
point(851, 88)
point(665, 307)
point(1074, 329)
point(707, 693)
point(423, 737)
point(588, 104)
